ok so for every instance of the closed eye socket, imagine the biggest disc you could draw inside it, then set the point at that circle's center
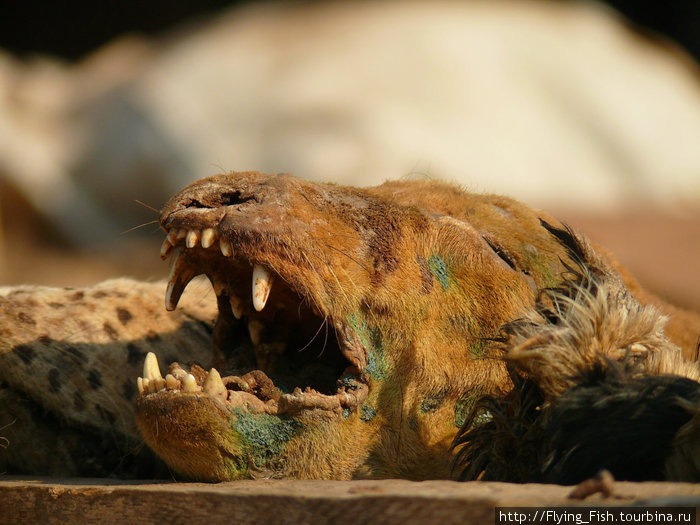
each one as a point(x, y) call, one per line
point(234, 197)
point(231, 198)
point(501, 253)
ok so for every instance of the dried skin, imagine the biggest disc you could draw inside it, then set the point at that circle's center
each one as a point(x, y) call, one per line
point(410, 281)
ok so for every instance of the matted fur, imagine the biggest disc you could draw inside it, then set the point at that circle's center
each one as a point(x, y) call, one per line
point(596, 385)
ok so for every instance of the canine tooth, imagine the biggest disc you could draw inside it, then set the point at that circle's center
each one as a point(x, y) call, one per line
point(236, 306)
point(262, 284)
point(208, 237)
point(189, 384)
point(180, 276)
point(213, 385)
point(192, 238)
point(225, 247)
point(171, 383)
point(165, 248)
point(139, 383)
point(255, 329)
point(150, 367)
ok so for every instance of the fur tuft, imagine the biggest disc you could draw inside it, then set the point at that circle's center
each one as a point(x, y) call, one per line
point(596, 385)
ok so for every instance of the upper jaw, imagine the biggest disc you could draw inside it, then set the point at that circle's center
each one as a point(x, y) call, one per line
point(269, 312)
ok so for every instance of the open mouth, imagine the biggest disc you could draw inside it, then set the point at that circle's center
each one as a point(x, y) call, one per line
point(284, 352)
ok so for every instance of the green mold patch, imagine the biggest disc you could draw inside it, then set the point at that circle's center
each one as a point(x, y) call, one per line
point(477, 348)
point(537, 263)
point(348, 380)
point(376, 365)
point(482, 417)
point(432, 402)
point(346, 413)
point(367, 413)
point(463, 407)
point(236, 468)
point(263, 435)
point(439, 270)
point(372, 340)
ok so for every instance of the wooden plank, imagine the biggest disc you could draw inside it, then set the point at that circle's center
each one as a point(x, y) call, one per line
point(60, 501)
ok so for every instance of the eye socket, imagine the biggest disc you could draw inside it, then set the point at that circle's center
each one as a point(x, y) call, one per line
point(233, 197)
point(229, 198)
point(500, 252)
point(194, 203)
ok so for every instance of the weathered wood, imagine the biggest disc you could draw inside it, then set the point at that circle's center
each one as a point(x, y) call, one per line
point(51, 500)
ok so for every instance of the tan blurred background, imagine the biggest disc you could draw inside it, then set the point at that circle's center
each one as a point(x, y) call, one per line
point(564, 105)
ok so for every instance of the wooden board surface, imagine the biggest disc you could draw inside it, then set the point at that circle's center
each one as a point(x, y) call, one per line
point(50, 500)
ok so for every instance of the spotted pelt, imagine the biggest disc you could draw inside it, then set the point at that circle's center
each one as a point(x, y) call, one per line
point(69, 358)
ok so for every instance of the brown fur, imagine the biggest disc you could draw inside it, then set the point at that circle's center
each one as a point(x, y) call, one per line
point(588, 344)
point(417, 275)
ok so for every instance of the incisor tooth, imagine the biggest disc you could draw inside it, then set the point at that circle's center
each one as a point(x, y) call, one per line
point(181, 233)
point(236, 306)
point(139, 383)
point(150, 367)
point(208, 237)
point(262, 284)
point(213, 385)
point(172, 236)
point(171, 383)
point(189, 384)
point(165, 248)
point(192, 238)
point(225, 247)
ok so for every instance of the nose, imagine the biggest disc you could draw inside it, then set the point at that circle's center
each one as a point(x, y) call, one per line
point(237, 190)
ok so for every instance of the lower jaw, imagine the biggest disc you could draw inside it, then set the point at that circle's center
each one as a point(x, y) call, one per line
point(203, 439)
point(193, 435)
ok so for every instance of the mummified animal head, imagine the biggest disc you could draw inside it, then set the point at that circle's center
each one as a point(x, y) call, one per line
point(596, 385)
point(352, 324)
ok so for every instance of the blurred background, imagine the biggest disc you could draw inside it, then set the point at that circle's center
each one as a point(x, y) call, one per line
point(590, 110)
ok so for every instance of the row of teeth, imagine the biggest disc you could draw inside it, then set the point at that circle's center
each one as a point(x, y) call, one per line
point(181, 274)
point(153, 382)
point(206, 237)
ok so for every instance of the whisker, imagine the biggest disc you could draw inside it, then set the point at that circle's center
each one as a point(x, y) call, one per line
point(139, 226)
point(349, 257)
point(146, 206)
point(325, 339)
point(355, 261)
point(4, 442)
point(314, 337)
